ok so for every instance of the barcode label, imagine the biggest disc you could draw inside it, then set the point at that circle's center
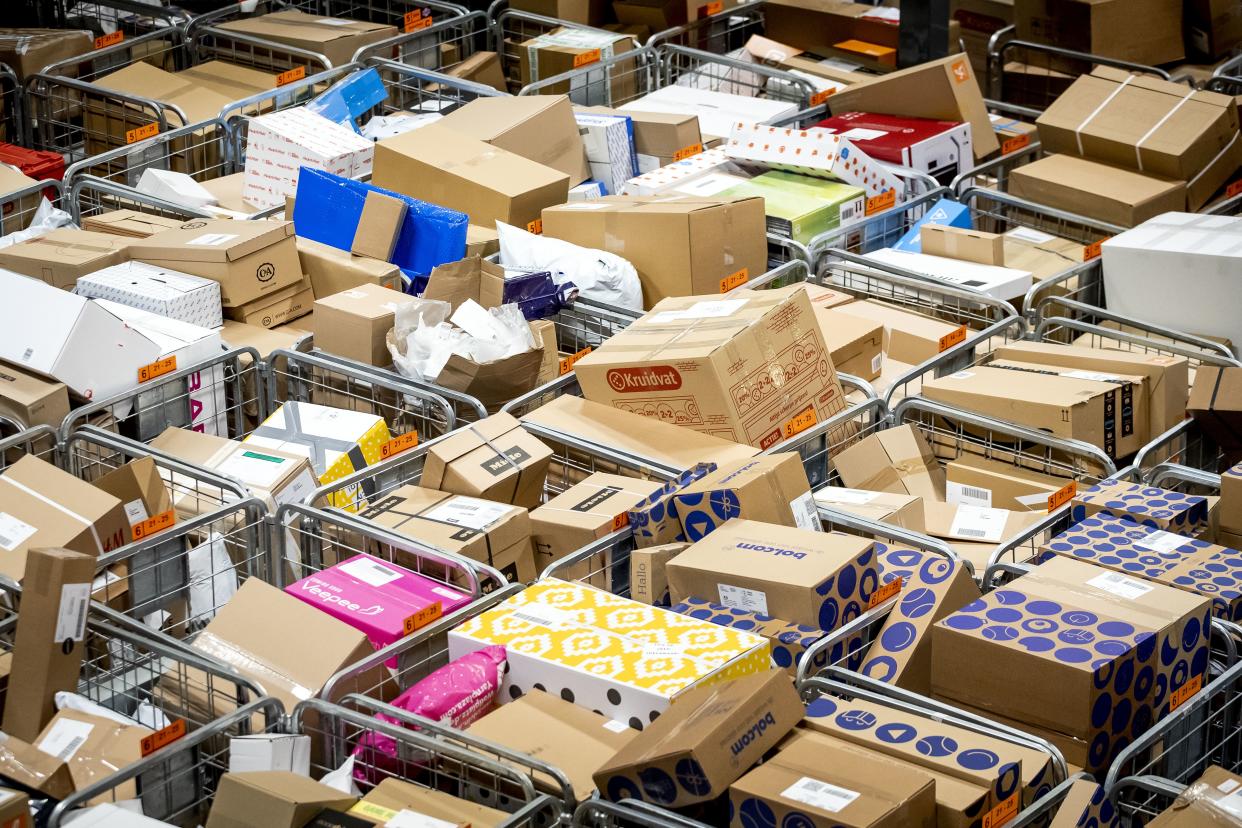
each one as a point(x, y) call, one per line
point(541, 615)
point(805, 512)
point(63, 738)
point(27, 354)
point(1162, 542)
point(968, 495)
point(817, 794)
point(749, 600)
point(1092, 375)
point(469, 512)
point(1120, 585)
point(877, 363)
point(369, 572)
point(71, 618)
point(13, 532)
point(978, 523)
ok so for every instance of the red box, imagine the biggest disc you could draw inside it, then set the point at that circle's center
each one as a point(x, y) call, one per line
point(939, 148)
point(37, 164)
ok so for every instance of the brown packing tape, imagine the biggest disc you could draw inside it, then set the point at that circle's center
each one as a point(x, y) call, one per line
point(235, 656)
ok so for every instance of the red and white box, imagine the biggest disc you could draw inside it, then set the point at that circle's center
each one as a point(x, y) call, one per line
point(279, 143)
point(814, 151)
point(941, 149)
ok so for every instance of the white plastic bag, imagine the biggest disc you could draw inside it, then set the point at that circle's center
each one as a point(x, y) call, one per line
point(424, 337)
point(46, 219)
point(600, 276)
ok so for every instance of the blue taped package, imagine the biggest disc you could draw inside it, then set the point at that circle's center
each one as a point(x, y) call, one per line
point(945, 211)
point(350, 98)
point(328, 207)
point(537, 294)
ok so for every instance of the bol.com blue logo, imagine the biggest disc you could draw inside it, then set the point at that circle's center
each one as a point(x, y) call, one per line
point(773, 550)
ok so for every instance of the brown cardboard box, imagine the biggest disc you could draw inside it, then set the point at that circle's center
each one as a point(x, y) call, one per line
point(392, 796)
point(1208, 802)
point(1098, 191)
point(229, 200)
point(540, 128)
point(94, 748)
point(250, 259)
point(25, 765)
point(584, 513)
point(895, 460)
point(1013, 135)
point(491, 533)
point(1216, 404)
point(130, 223)
point(31, 399)
point(1213, 28)
point(51, 637)
point(719, 731)
point(141, 490)
point(828, 783)
point(1148, 125)
point(481, 241)
point(943, 89)
point(285, 305)
point(17, 213)
point(772, 488)
point(856, 344)
point(355, 322)
point(1109, 414)
point(452, 169)
point(1105, 27)
point(586, 12)
point(973, 532)
point(263, 340)
point(570, 738)
point(492, 383)
point(481, 67)
point(14, 809)
point(979, 481)
point(495, 459)
point(658, 136)
point(649, 575)
point(979, 20)
point(680, 247)
point(818, 26)
point(27, 51)
point(62, 256)
point(656, 15)
point(908, 337)
point(335, 38)
point(1043, 254)
point(45, 507)
point(470, 278)
point(332, 270)
point(902, 510)
point(684, 361)
point(565, 49)
point(378, 226)
point(279, 799)
point(964, 244)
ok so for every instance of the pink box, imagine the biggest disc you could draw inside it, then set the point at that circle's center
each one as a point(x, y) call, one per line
point(377, 598)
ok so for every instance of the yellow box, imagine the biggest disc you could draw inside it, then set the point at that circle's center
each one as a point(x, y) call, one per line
point(625, 659)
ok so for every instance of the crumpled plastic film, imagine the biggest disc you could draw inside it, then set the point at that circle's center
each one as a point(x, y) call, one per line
point(424, 337)
point(46, 219)
point(599, 275)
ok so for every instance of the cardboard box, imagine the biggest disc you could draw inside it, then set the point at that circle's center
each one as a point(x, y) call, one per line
point(659, 137)
point(1216, 405)
point(62, 256)
point(481, 242)
point(280, 143)
point(679, 247)
point(540, 128)
point(1105, 28)
point(908, 337)
point(678, 176)
point(977, 481)
point(799, 207)
point(94, 748)
point(816, 152)
point(789, 641)
point(942, 149)
point(609, 144)
point(930, 587)
point(901, 510)
point(468, 462)
point(452, 169)
point(1059, 683)
point(855, 344)
point(705, 742)
point(32, 400)
point(1014, 135)
point(772, 488)
point(566, 736)
point(269, 751)
point(335, 38)
point(331, 270)
point(392, 797)
point(14, 808)
point(649, 573)
point(1156, 508)
point(811, 578)
point(51, 635)
point(1231, 500)
point(586, 12)
point(491, 533)
point(277, 308)
point(1095, 190)
point(897, 460)
point(1209, 800)
point(584, 513)
point(1213, 29)
point(139, 487)
point(156, 290)
point(248, 259)
point(565, 49)
point(130, 223)
point(1004, 283)
point(1045, 256)
point(716, 111)
point(966, 245)
point(655, 520)
point(820, 25)
point(481, 67)
point(378, 226)
point(944, 90)
point(974, 532)
point(23, 764)
point(355, 322)
point(629, 675)
point(675, 364)
point(27, 51)
point(277, 798)
point(823, 783)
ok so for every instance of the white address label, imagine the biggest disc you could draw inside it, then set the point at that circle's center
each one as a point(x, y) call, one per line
point(1162, 542)
point(1120, 585)
point(71, 618)
point(977, 523)
point(821, 795)
point(805, 512)
point(13, 532)
point(750, 600)
point(469, 512)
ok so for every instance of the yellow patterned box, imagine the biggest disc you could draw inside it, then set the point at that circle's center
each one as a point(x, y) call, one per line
point(624, 659)
point(338, 443)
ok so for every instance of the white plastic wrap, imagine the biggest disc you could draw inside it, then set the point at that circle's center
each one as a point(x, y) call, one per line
point(46, 218)
point(600, 276)
point(430, 337)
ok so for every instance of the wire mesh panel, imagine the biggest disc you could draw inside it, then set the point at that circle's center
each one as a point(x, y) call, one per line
point(511, 29)
point(628, 813)
point(612, 81)
point(404, 14)
point(720, 33)
point(436, 37)
point(1184, 446)
point(107, 17)
point(18, 208)
point(687, 66)
point(12, 107)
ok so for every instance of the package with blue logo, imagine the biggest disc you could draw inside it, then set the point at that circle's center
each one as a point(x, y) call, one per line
point(814, 578)
point(946, 212)
point(655, 520)
point(1087, 805)
point(1078, 651)
point(771, 488)
point(328, 207)
point(927, 587)
point(789, 641)
point(1149, 506)
point(351, 98)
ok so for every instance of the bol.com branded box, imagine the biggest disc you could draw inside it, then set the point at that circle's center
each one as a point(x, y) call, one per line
point(772, 488)
point(1147, 505)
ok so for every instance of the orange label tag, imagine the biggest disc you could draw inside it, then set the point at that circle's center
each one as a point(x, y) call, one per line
point(154, 524)
point(422, 618)
point(1062, 496)
point(882, 202)
point(1233, 189)
point(687, 152)
point(162, 737)
point(567, 363)
point(731, 281)
point(158, 368)
point(819, 97)
point(1015, 143)
point(620, 521)
point(715, 7)
point(950, 339)
point(535, 227)
point(294, 74)
point(884, 593)
point(960, 70)
point(1183, 694)
point(399, 444)
point(800, 423)
point(1092, 251)
point(142, 132)
point(109, 40)
point(586, 58)
point(415, 20)
point(1002, 813)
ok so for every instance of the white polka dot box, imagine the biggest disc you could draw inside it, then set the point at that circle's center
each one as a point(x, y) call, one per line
point(603, 652)
point(1146, 505)
point(1209, 570)
point(1064, 650)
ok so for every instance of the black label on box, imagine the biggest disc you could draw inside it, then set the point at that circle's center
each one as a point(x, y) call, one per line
point(596, 499)
point(464, 534)
point(379, 508)
point(329, 818)
point(1110, 423)
point(498, 465)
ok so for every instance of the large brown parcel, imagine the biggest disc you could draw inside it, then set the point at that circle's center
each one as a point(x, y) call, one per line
point(680, 247)
point(62, 256)
point(335, 38)
point(584, 513)
point(817, 26)
point(1099, 191)
point(1105, 27)
point(276, 799)
point(538, 127)
point(449, 168)
point(495, 459)
point(752, 369)
point(1149, 125)
point(27, 51)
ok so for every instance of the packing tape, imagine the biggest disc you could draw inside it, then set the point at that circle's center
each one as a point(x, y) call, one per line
point(235, 656)
point(495, 449)
point(1078, 130)
point(1212, 163)
point(1138, 156)
point(319, 446)
point(88, 524)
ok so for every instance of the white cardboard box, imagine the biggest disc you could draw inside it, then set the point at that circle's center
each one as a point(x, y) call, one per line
point(268, 752)
point(1179, 270)
point(717, 111)
point(154, 289)
point(814, 151)
point(176, 187)
point(997, 282)
point(281, 142)
point(678, 173)
point(609, 144)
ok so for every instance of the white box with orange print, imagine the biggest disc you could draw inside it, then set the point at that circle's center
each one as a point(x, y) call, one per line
point(814, 151)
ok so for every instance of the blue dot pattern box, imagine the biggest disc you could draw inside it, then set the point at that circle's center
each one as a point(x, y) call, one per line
point(1086, 805)
point(814, 578)
point(789, 641)
point(1146, 505)
point(1065, 648)
point(927, 587)
point(1214, 572)
point(1231, 500)
point(655, 520)
point(772, 488)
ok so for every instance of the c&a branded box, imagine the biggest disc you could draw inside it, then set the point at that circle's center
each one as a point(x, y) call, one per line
point(1149, 506)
